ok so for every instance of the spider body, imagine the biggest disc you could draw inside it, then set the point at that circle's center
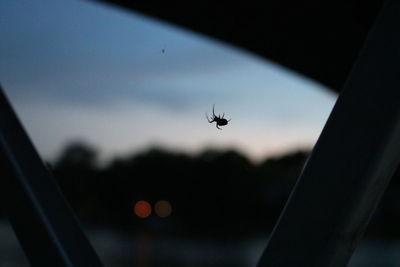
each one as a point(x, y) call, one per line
point(219, 120)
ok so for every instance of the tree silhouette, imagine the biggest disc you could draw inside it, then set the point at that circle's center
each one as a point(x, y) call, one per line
point(77, 155)
point(216, 194)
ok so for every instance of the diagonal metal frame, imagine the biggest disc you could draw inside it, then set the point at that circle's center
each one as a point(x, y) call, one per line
point(327, 211)
point(43, 222)
point(351, 163)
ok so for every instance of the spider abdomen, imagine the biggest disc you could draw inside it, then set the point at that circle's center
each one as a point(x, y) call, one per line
point(222, 122)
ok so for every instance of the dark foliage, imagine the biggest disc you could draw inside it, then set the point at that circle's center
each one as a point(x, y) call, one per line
point(218, 194)
point(215, 193)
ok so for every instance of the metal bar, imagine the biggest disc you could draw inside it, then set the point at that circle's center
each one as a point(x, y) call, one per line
point(43, 222)
point(352, 162)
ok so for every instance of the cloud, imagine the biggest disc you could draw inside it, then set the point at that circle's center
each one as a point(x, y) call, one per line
point(133, 128)
point(76, 69)
point(90, 54)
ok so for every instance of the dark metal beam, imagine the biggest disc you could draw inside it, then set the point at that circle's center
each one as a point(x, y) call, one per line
point(43, 222)
point(352, 162)
point(319, 39)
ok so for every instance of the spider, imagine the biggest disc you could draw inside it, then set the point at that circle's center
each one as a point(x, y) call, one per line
point(220, 121)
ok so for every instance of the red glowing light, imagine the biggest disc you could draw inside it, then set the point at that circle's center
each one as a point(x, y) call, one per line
point(142, 209)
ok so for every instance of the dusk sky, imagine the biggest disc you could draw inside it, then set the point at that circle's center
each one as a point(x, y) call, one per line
point(121, 81)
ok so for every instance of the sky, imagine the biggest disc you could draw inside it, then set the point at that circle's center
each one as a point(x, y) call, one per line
point(123, 82)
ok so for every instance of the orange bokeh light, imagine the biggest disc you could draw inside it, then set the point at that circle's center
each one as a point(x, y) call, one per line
point(163, 208)
point(142, 209)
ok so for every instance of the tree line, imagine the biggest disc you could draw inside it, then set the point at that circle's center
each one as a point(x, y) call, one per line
point(216, 193)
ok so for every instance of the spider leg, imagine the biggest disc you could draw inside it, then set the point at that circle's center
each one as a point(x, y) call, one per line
point(208, 118)
point(213, 111)
point(223, 114)
point(218, 127)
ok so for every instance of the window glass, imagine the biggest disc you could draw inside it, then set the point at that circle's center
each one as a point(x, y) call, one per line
point(119, 106)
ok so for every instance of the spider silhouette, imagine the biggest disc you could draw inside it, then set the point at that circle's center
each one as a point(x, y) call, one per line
point(220, 121)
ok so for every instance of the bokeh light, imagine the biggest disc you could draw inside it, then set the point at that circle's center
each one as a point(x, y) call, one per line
point(163, 208)
point(142, 209)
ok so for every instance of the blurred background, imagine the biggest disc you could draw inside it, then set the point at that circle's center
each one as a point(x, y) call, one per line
point(115, 103)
